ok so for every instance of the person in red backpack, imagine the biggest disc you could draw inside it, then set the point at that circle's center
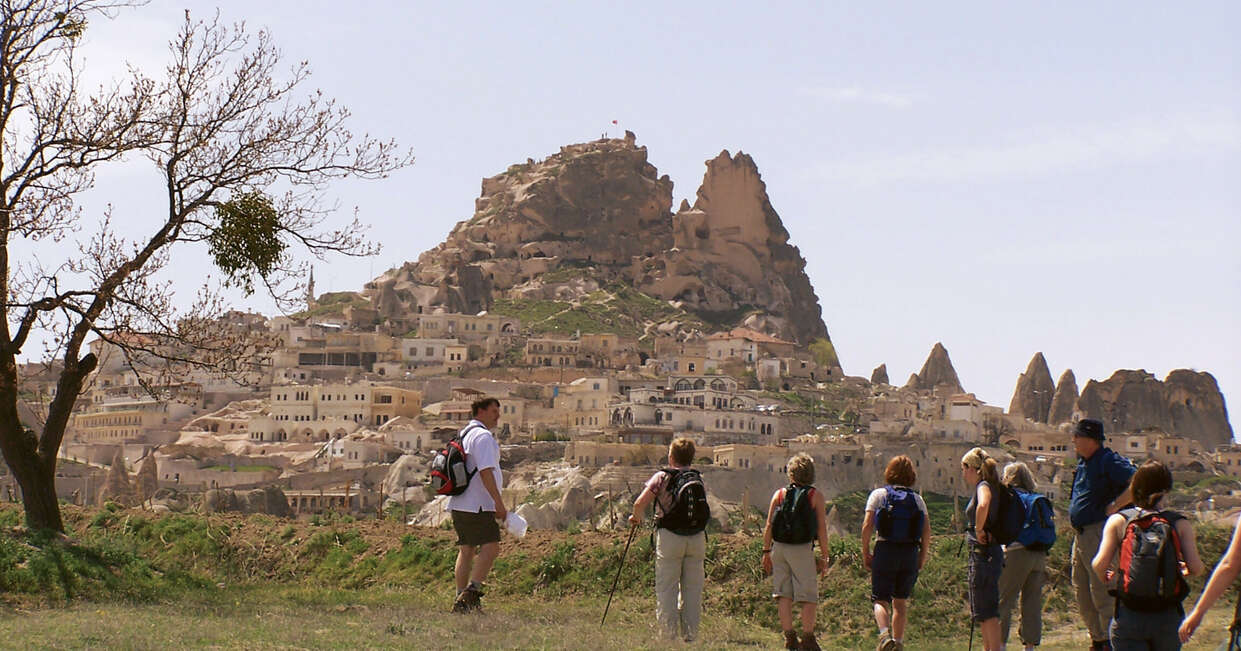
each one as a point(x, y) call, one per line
point(1149, 586)
point(899, 516)
point(796, 517)
point(478, 512)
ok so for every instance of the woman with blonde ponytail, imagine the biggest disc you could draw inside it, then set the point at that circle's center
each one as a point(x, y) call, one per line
point(986, 558)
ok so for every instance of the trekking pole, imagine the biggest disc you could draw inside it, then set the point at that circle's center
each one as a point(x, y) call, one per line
point(972, 622)
point(632, 530)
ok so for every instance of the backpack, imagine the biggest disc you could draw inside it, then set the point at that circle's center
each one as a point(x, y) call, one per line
point(1008, 516)
point(795, 522)
point(1039, 531)
point(448, 473)
point(899, 520)
point(1149, 573)
point(689, 512)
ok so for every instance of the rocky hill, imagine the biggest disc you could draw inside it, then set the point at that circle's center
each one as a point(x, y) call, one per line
point(590, 231)
point(1187, 403)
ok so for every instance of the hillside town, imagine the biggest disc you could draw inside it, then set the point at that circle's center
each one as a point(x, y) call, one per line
point(344, 413)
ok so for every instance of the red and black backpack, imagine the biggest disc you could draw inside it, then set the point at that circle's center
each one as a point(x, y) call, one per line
point(448, 473)
point(1149, 576)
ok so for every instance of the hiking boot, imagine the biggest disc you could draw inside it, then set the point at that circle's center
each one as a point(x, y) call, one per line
point(886, 643)
point(469, 600)
point(808, 643)
point(790, 640)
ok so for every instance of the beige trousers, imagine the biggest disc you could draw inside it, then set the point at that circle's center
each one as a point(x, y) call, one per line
point(1093, 602)
point(1024, 574)
point(679, 575)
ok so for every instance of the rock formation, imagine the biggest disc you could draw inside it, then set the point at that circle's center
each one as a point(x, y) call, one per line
point(1064, 400)
point(147, 481)
point(1187, 403)
point(116, 487)
point(731, 250)
point(1033, 395)
point(879, 375)
point(936, 372)
point(601, 213)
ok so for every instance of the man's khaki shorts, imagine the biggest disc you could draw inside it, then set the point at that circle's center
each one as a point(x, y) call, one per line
point(793, 573)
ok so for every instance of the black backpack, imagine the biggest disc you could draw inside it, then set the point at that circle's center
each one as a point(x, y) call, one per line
point(1007, 516)
point(899, 520)
point(795, 522)
point(448, 473)
point(689, 512)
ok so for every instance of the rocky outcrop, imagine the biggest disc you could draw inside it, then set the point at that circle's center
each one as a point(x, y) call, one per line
point(1187, 403)
point(1064, 400)
point(601, 213)
point(269, 500)
point(404, 481)
point(147, 481)
point(879, 375)
point(116, 488)
point(730, 250)
point(1033, 395)
point(936, 372)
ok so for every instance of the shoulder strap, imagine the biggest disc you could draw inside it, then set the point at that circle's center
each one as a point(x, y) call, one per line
point(670, 476)
point(468, 429)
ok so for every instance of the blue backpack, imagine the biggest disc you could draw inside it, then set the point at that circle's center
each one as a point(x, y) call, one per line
point(1039, 531)
point(899, 520)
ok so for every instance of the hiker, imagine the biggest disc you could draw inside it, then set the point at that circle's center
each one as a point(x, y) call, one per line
point(1025, 560)
point(1225, 573)
point(900, 518)
point(1100, 488)
point(680, 540)
point(796, 517)
point(986, 557)
point(1149, 586)
point(478, 512)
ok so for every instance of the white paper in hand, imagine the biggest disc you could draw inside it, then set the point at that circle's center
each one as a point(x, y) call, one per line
point(515, 524)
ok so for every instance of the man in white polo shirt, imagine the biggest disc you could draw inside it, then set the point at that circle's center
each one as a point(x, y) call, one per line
point(478, 512)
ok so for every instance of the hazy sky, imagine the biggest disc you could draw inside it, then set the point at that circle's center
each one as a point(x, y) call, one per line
point(1063, 177)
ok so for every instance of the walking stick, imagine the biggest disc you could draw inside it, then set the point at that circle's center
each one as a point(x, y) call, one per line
point(632, 530)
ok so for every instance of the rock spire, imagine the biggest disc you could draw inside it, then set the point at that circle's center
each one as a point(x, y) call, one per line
point(936, 372)
point(1064, 400)
point(1033, 395)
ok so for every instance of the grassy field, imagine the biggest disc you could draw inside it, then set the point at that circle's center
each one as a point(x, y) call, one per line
point(130, 579)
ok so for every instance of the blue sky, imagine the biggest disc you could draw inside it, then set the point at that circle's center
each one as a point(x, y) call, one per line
point(1063, 177)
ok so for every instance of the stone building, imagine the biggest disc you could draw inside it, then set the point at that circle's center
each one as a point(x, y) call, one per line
point(304, 412)
point(548, 351)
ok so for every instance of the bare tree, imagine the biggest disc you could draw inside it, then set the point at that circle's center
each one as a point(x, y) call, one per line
point(244, 156)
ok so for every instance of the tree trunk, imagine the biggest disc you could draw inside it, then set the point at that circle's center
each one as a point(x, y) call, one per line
point(38, 486)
